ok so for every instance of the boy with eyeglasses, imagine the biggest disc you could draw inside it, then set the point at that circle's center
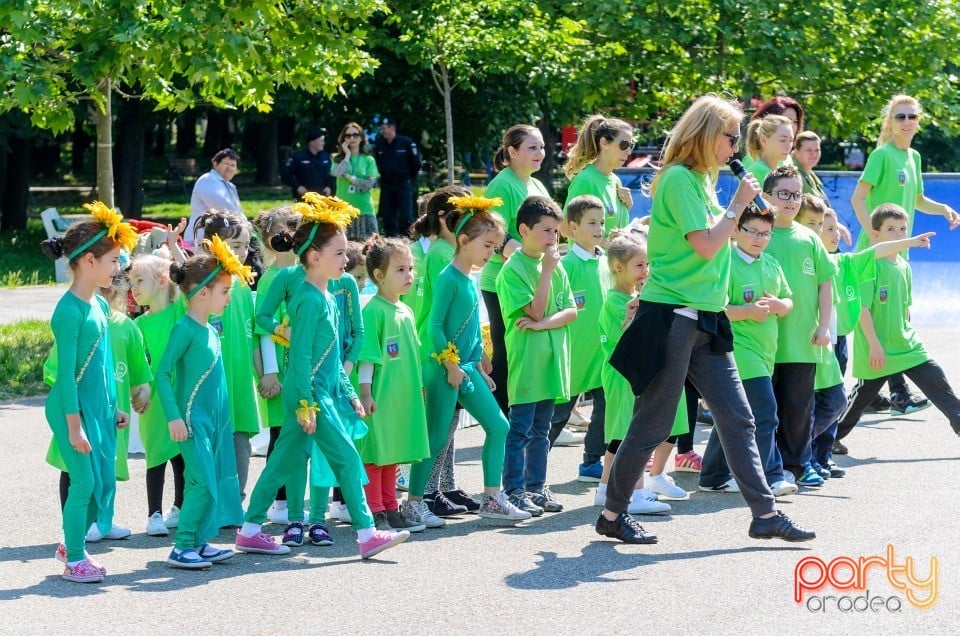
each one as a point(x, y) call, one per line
point(759, 298)
point(805, 332)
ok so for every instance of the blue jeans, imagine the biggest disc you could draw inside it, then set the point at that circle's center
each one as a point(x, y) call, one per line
point(525, 463)
point(829, 404)
point(764, 407)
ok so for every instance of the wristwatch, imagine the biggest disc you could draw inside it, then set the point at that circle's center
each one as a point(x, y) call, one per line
point(731, 214)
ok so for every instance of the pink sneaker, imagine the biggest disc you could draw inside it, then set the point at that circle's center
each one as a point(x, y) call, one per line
point(260, 544)
point(83, 572)
point(688, 462)
point(381, 541)
point(61, 556)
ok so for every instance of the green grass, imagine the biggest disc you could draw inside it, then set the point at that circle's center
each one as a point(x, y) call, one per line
point(21, 261)
point(24, 346)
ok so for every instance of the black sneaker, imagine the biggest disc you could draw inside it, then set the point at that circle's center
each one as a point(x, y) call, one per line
point(624, 528)
point(704, 416)
point(839, 448)
point(779, 527)
point(904, 404)
point(880, 404)
point(835, 471)
point(443, 507)
point(460, 498)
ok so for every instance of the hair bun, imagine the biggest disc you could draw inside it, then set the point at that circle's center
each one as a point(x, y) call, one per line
point(282, 241)
point(176, 273)
point(52, 248)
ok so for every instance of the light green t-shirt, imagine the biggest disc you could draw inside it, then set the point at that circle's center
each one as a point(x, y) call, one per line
point(235, 327)
point(755, 343)
point(888, 297)
point(507, 186)
point(538, 361)
point(758, 168)
point(896, 176)
point(604, 187)
point(828, 372)
point(805, 265)
point(586, 356)
point(361, 167)
point(685, 202)
point(853, 269)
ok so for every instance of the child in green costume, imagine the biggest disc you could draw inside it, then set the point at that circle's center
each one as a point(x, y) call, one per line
point(81, 408)
point(191, 384)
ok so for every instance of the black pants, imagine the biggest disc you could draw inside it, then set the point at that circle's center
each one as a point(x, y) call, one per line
point(396, 208)
point(793, 387)
point(928, 376)
point(497, 336)
point(155, 481)
point(274, 436)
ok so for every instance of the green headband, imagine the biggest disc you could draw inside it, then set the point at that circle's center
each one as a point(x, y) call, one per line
point(205, 281)
point(313, 233)
point(463, 221)
point(80, 250)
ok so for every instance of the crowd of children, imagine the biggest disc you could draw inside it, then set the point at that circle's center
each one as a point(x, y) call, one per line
point(627, 317)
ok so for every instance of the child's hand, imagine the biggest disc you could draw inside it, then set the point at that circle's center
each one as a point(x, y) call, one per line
point(455, 376)
point(140, 398)
point(308, 423)
point(486, 365)
point(358, 407)
point(821, 337)
point(953, 219)
point(551, 258)
point(526, 323)
point(760, 310)
point(123, 420)
point(347, 366)
point(490, 383)
point(877, 357)
point(269, 386)
point(923, 240)
point(777, 306)
point(632, 307)
point(845, 233)
point(286, 333)
point(173, 233)
point(366, 399)
point(178, 430)
point(79, 441)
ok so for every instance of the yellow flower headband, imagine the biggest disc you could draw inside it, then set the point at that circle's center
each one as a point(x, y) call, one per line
point(316, 209)
point(471, 205)
point(121, 233)
point(227, 261)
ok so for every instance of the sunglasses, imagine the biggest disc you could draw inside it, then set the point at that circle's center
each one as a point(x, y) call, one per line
point(734, 139)
point(626, 144)
point(351, 134)
point(905, 116)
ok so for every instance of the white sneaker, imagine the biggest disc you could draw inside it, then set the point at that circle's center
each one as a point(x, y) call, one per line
point(577, 418)
point(783, 488)
point(278, 514)
point(569, 438)
point(664, 486)
point(156, 527)
point(172, 520)
point(342, 514)
point(499, 507)
point(644, 502)
point(419, 512)
point(116, 532)
point(789, 477)
point(728, 486)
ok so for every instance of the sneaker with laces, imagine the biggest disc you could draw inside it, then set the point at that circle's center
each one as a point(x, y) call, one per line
point(728, 486)
point(403, 477)
point(644, 502)
point(688, 462)
point(783, 488)
point(823, 472)
point(664, 486)
point(443, 507)
point(418, 512)
point(569, 438)
point(259, 543)
point(293, 535)
point(461, 498)
point(499, 507)
point(590, 473)
point(399, 522)
point(810, 478)
point(904, 404)
point(521, 500)
point(187, 560)
point(278, 514)
point(835, 471)
point(380, 521)
point(115, 532)
point(779, 526)
point(172, 520)
point(624, 528)
point(319, 535)
point(381, 541)
point(546, 500)
point(880, 404)
point(214, 554)
point(156, 527)
point(83, 572)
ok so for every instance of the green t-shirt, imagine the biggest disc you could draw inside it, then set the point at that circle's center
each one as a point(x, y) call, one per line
point(238, 343)
point(853, 269)
point(896, 176)
point(538, 361)
point(805, 265)
point(888, 297)
point(436, 260)
point(828, 372)
point(586, 356)
point(414, 298)
point(508, 187)
point(604, 187)
point(361, 167)
point(755, 343)
point(685, 202)
point(758, 168)
point(391, 345)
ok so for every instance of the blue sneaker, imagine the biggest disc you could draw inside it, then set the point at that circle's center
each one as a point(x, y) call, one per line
point(591, 473)
point(810, 478)
point(187, 560)
point(213, 554)
point(319, 535)
point(820, 470)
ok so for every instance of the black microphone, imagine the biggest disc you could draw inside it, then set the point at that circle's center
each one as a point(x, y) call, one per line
point(736, 167)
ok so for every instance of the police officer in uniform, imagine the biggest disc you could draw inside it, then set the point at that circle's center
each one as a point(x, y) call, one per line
point(398, 161)
point(308, 170)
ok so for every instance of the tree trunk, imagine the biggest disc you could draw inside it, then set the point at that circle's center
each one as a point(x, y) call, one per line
point(15, 183)
point(104, 122)
point(81, 141)
point(131, 127)
point(187, 134)
point(268, 156)
point(448, 120)
point(217, 136)
point(545, 174)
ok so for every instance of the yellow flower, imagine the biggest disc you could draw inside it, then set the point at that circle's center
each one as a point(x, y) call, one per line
point(471, 203)
point(228, 260)
point(320, 209)
point(278, 336)
point(121, 233)
point(450, 354)
point(306, 408)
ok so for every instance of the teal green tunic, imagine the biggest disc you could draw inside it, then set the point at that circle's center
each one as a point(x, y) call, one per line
point(192, 386)
point(414, 298)
point(236, 335)
point(439, 255)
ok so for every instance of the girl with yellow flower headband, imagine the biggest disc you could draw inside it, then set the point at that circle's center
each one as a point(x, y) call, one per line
point(81, 408)
point(192, 386)
point(312, 390)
